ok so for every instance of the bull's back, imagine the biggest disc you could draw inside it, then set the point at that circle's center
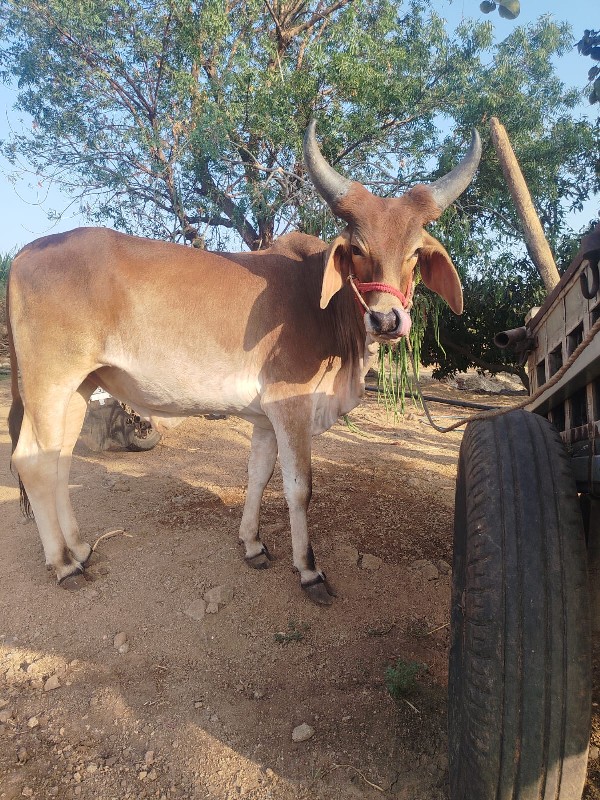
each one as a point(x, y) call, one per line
point(165, 326)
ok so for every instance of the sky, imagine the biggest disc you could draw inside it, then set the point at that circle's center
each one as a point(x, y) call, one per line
point(24, 205)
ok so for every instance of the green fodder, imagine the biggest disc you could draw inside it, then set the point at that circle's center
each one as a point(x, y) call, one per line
point(394, 375)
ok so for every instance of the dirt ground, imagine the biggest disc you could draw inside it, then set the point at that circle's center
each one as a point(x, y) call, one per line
point(190, 704)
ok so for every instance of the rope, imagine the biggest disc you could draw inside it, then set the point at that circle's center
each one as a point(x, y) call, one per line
point(524, 403)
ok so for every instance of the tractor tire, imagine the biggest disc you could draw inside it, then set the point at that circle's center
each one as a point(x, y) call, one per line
point(139, 444)
point(520, 654)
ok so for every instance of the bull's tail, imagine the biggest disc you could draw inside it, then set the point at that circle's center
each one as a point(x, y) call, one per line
point(17, 410)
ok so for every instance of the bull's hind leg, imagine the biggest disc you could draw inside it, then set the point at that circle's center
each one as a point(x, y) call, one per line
point(261, 463)
point(77, 407)
point(36, 458)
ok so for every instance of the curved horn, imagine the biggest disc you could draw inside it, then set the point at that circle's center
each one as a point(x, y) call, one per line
point(445, 190)
point(329, 184)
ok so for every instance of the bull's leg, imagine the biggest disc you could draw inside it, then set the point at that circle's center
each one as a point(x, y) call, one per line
point(293, 429)
point(80, 549)
point(261, 463)
point(36, 459)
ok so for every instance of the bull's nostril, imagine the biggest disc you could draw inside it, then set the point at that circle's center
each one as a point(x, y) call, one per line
point(397, 319)
point(375, 318)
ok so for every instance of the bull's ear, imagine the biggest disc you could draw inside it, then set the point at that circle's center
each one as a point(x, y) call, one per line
point(439, 274)
point(337, 268)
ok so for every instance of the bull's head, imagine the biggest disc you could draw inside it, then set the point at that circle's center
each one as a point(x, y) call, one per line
point(385, 240)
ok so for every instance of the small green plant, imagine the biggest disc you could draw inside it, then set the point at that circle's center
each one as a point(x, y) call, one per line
point(294, 633)
point(401, 679)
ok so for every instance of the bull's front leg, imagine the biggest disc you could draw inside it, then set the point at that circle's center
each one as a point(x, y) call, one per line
point(292, 421)
point(261, 463)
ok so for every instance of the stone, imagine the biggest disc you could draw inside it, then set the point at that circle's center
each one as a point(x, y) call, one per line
point(149, 757)
point(197, 610)
point(22, 756)
point(427, 570)
point(302, 733)
point(444, 567)
point(119, 640)
point(221, 595)
point(27, 791)
point(370, 562)
point(5, 715)
point(212, 608)
point(52, 683)
point(124, 648)
point(33, 722)
point(594, 753)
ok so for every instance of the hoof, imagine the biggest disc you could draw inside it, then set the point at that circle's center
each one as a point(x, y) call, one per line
point(318, 591)
point(261, 560)
point(73, 583)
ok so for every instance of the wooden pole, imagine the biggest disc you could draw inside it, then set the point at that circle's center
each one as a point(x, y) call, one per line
point(535, 241)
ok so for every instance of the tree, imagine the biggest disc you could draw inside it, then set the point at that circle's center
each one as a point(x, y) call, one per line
point(184, 120)
point(589, 45)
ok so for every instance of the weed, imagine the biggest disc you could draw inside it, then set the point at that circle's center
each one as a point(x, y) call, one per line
point(294, 633)
point(401, 679)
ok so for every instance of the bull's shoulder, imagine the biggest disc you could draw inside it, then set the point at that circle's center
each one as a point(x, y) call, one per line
point(298, 246)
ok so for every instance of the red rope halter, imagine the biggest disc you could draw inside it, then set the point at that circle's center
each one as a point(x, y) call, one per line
point(361, 289)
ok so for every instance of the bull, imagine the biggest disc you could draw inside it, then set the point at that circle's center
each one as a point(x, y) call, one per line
point(277, 337)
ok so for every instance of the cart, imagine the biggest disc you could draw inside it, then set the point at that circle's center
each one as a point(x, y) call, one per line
point(527, 528)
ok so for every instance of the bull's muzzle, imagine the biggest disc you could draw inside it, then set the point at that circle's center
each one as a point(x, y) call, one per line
point(388, 325)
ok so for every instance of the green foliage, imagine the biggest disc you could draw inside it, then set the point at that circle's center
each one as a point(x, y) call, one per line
point(185, 121)
point(5, 262)
point(508, 9)
point(294, 633)
point(401, 680)
point(589, 45)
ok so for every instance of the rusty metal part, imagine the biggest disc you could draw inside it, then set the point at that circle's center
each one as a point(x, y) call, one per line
point(141, 426)
point(592, 259)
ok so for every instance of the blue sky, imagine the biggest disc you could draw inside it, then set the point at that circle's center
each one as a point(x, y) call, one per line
point(25, 205)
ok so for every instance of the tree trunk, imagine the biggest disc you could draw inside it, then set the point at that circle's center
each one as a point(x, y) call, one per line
point(536, 243)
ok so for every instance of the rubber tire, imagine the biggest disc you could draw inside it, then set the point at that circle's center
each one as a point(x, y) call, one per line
point(138, 445)
point(520, 654)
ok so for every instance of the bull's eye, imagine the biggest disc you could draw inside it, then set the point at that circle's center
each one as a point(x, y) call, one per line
point(356, 251)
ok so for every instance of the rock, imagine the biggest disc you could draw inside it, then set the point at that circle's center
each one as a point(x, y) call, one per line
point(33, 722)
point(122, 485)
point(212, 608)
point(346, 554)
point(5, 715)
point(149, 757)
point(22, 756)
point(124, 648)
point(119, 640)
point(370, 562)
point(27, 791)
point(52, 683)
point(594, 753)
point(221, 595)
point(197, 610)
point(302, 733)
point(444, 567)
point(142, 775)
point(428, 570)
